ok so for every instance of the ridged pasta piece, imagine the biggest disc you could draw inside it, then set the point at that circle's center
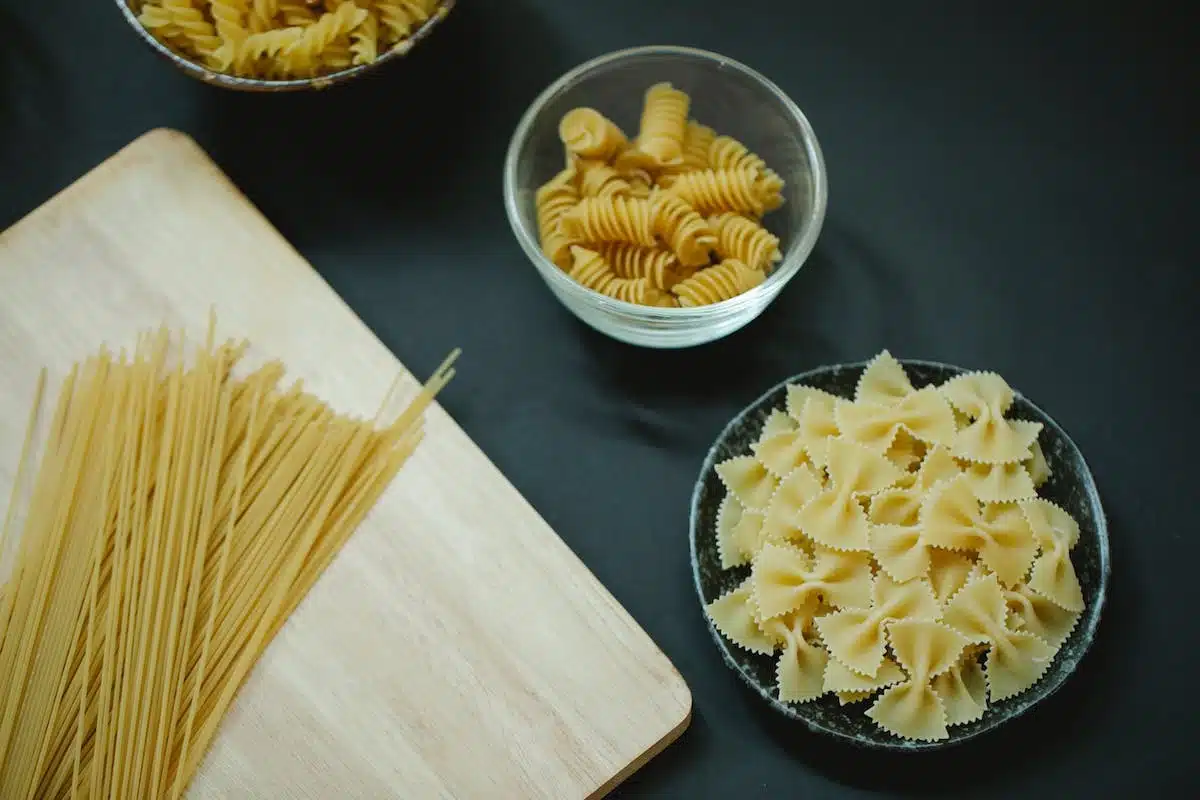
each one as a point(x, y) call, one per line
point(266, 45)
point(305, 53)
point(365, 39)
point(262, 15)
point(554, 199)
point(399, 18)
point(924, 414)
point(796, 489)
point(557, 248)
point(591, 270)
point(744, 239)
point(733, 614)
point(717, 283)
point(834, 518)
point(598, 179)
point(660, 267)
point(664, 120)
point(800, 671)
point(962, 689)
point(157, 20)
point(685, 232)
point(631, 158)
point(716, 191)
point(725, 152)
point(191, 21)
point(297, 13)
point(338, 55)
point(697, 139)
point(985, 397)
point(587, 133)
point(228, 18)
point(610, 219)
point(748, 481)
point(785, 578)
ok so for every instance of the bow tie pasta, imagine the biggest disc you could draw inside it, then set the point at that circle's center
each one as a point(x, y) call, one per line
point(893, 546)
point(675, 194)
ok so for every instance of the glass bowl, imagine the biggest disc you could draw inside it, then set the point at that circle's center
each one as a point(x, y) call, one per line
point(727, 96)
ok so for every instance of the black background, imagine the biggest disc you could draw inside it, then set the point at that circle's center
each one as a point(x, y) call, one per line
point(1013, 187)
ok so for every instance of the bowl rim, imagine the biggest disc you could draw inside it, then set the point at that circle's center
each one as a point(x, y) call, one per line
point(798, 250)
point(243, 84)
point(1087, 625)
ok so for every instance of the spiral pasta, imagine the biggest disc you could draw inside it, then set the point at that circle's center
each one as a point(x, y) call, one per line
point(199, 32)
point(591, 270)
point(745, 240)
point(600, 180)
point(714, 284)
point(660, 267)
point(285, 39)
point(587, 133)
point(610, 219)
point(669, 218)
point(664, 120)
point(714, 191)
point(685, 232)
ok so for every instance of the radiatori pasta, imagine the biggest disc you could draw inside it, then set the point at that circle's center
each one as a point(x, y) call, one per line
point(897, 550)
point(677, 207)
point(285, 39)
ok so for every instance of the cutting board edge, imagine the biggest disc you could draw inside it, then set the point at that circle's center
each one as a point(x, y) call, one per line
point(653, 751)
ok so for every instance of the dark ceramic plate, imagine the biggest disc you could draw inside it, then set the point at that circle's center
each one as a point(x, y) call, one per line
point(1070, 486)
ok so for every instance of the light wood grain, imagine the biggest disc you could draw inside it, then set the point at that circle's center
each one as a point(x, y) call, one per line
point(456, 647)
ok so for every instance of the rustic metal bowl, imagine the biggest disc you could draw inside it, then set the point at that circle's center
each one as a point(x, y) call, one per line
point(1071, 486)
point(226, 81)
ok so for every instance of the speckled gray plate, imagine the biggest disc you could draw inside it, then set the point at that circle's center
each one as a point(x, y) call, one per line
point(1071, 486)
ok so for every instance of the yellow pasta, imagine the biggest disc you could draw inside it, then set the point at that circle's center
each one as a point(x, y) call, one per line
point(589, 134)
point(714, 284)
point(591, 270)
point(716, 191)
point(664, 121)
point(745, 240)
point(654, 207)
point(285, 39)
point(683, 230)
point(660, 267)
point(610, 219)
point(598, 179)
point(932, 582)
point(177, 518)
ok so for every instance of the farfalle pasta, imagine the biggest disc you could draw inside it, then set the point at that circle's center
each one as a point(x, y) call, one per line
point(892, 546)
point(676, 203)
point(286, 39)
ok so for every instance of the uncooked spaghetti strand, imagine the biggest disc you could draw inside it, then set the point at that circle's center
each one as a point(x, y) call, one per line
point(238, 482)
point(147, 592)
point(150, 447)
point(321, 443)
point(39, 690)
point(109, 456)
point(265, 624)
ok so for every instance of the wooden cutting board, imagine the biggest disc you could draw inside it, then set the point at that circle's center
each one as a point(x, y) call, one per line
point(456, 647)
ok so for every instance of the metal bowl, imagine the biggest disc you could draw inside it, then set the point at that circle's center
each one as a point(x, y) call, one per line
point(1071, 486)
point(237, 83)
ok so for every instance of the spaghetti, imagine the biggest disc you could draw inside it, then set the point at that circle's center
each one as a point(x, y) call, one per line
point(177, 517)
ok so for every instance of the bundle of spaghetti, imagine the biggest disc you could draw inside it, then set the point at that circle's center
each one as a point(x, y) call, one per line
point(179, 514)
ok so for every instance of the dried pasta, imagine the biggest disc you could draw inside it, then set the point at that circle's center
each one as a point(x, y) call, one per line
point(203, 507)
point(592, 271)
point(892, 546)
point(286, 39)
point(654, 207)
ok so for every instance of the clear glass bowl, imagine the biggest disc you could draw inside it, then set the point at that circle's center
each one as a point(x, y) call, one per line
point(727, 96)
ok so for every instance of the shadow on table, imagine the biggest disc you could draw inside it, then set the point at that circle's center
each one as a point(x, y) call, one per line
point(419, 142)
point(1045, 734)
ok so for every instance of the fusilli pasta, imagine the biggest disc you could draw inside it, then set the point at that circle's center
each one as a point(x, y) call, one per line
point(745, 240)
point(664, 120)
point(655, 220)
point(284, 39)
point(714, 284)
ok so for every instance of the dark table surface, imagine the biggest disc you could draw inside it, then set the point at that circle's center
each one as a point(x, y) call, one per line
point(1013, 187)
